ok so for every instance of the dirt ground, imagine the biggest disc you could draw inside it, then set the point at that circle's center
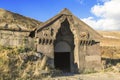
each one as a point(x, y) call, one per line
point(93, 76)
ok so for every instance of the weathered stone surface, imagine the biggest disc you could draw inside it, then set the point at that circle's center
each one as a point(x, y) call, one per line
point(92, 58)
point(69, 34)
point(64, 34)
point(16, 39)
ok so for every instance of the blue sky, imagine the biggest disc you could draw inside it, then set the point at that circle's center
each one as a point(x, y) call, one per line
point(42, 10)
point(99, 14)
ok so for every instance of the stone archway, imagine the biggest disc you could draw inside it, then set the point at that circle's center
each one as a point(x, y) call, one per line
point(62, 56)
point(62, 46)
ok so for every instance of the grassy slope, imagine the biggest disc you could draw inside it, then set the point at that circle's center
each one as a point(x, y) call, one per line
point(13, 67)
point(111, 38)
point(110, 44)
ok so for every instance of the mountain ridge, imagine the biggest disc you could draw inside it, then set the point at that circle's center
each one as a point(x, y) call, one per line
point(14, 21)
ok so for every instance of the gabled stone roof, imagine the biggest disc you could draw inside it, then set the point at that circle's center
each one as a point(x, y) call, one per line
point(17, 22)
point(80, 24)
point(63, 12)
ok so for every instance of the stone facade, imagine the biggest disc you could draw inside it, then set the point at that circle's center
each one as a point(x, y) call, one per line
point(66, 36)
point(67, 43)
point(10, 38)
point(15, 29)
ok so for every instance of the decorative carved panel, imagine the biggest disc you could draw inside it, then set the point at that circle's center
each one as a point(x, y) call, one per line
point(84, 35)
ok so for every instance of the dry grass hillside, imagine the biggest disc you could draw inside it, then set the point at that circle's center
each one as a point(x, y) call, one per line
point(115, 34)
point(14, 21)
point(110, 44)
point(15, 64)
point(111, 38)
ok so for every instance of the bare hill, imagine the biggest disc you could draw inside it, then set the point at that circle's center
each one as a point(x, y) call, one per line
point(14, 21)
point(110, 44)
point(111, 38)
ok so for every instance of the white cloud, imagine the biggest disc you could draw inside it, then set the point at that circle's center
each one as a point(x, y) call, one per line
point(108, 14)
point(103, 0)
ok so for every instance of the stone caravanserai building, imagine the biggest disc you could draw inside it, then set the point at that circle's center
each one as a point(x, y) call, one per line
point(67, 43)
point(70, 43)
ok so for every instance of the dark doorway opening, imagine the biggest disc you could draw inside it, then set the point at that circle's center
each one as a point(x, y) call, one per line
point(62, 61)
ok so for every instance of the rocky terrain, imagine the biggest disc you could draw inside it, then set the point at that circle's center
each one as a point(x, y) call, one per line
point(14, 21)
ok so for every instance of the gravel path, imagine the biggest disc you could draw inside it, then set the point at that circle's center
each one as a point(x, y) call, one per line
point(94, 76)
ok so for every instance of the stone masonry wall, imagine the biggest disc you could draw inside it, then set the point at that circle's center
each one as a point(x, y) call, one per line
point(93, 57)
point(15, 39)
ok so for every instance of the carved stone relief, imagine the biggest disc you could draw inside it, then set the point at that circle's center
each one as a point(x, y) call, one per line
point(84, 35)
point(48, 32)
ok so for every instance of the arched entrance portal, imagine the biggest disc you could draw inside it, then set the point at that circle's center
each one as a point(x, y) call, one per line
point(64, 47)
point(62, 56)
